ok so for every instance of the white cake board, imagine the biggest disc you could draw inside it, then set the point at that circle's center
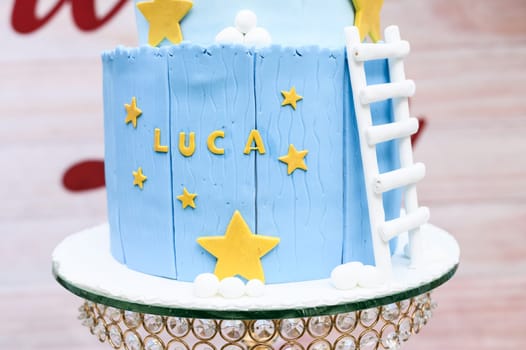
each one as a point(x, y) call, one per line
point(83, 264)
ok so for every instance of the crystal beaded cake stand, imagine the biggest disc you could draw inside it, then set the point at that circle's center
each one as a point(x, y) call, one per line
point(131, 310)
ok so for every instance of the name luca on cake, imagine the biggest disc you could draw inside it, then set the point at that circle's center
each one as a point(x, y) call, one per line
point(187, 143)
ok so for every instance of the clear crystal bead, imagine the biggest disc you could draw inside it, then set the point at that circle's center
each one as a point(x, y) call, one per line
point(421, 300)
point(204, 346)
point(232, 347)
point(152, 343)
point(369, 316)
point(404, 305)
point(404, 329)
point(232, 330)
point(292, 328)
point(368, 340)
point(320, 345)
point(100, 330)
point(88, 322)
point(345, 343)
point(176, 345)
point(292, 346)
point(346, 322)
point(390, 312)
point(204, 329)
point(262, 330)
point(101, 309)
point(153, 323)
point(115, 335)
point(177, 326)
point(418, 321)
point(391, 341)
point(113, 314)
point(132, 319)
point(319, 326)
point(132, 341)
point(262, 347)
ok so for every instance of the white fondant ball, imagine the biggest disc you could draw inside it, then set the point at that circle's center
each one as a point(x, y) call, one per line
point(255, 288)
point(229, 35)
point(206, 285)
point(370, 277)
point(258, 37)
point(231, 288)
point(345, 276)
point(246, 20)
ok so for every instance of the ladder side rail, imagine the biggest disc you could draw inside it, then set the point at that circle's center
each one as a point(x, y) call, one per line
point(382, 254)
point(401, 112)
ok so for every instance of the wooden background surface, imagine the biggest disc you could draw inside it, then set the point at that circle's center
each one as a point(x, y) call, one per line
point(469, 61)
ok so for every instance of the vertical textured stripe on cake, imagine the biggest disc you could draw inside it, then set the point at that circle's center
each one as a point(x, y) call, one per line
point(144, 215)
point(304, 209)
point(211, 89)
point(110, 156)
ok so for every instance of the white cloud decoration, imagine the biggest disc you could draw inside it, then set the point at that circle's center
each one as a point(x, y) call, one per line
point(246, 32)
point(207, 285)
point(355, 274)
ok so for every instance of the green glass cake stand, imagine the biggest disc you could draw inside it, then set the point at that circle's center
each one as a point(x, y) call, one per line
point(131, 310)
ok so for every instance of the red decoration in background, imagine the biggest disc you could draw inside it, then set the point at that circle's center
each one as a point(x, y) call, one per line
point(422, 125)
point(24, 19)
point(84, 176)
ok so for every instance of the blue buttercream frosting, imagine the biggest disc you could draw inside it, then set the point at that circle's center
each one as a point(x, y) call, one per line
point(320, 215)
point(289, 22)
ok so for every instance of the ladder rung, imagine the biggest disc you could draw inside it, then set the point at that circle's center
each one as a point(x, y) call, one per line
point(399, 178)
point(393, 228)
point(367, 52)
point(380, 92)
point(387, 132)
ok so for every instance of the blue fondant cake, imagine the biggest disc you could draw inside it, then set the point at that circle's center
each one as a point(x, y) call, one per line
point(216, 135)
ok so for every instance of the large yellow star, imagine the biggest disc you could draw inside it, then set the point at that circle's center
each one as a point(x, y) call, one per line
point(367, 18)
point(132, 112)
point(239, 251)
point(164, 17)
point(291, 97)
point(139, 178)
point(187, 198)
point(294, 159)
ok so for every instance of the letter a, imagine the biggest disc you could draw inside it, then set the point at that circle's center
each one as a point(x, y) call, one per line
point(254, 137)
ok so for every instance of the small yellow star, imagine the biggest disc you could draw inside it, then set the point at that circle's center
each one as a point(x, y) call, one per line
point(132, 112)
point(239, 251)
point(164, 17)
point(367, 18)
point(187, 198)
point(291, 97)
point(294, 159)
point(139, 178)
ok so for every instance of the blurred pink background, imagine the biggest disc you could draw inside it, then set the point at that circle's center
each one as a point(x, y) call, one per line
point(469, 62)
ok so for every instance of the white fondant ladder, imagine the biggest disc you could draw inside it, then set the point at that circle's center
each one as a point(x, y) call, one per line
point(399, 89)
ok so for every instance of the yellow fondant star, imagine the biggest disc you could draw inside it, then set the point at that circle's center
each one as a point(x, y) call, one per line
point(132, 112)
point(291, 97)
point(367, 18)
point(139, 178)
point(187, 198)
point(164, 17)
point(239, 251)
point(294, 159)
